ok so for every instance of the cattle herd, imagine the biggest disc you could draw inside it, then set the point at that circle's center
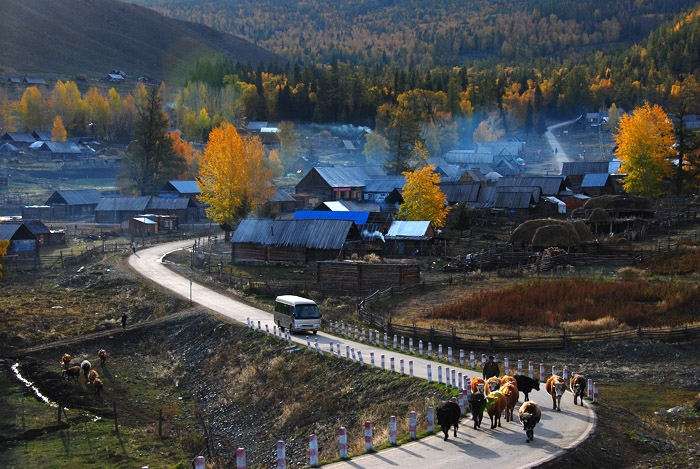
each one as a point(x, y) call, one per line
point(91, 375)
point(498, 397)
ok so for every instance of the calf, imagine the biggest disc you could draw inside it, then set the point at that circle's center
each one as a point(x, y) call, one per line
point(477, 404)
point(492, 384)
point(529, 415)
point(510, 391)
point(495, 405)
point(72, 372)
point(577, 383)
point(555, 387)
point(526, 384)
point(97, 386)
point(92, 376)
point(66, 361)
point(103, 356)
point(448, 414)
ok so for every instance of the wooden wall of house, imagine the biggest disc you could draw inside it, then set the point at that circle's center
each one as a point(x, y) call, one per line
point(291, 254)
point(248, 252)
point(367, 276)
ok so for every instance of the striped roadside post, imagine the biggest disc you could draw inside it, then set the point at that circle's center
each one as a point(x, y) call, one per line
point(439, 374)
point(459, 381)
point(595, 392)
point(391, 361)
point(258, 325)
point(357, 335)
point(362, 337)
point(338, 349)
point(392, 430)
point(431, 419)
point(505, 366)
point(281, 456)
point(410, 344)
point(274, 331)
point(371, 359)
point(359, 358)
point(542, 372)
point(385, 340)
point(483, 360)
point(316, 345)
point(383, 363)
point(454, 384)
point(199, 463)
point(565, 373)
point(447, 376)
point(402, 341)
point(471, 360)
point(468, 388)
point(430, 350)
point(313, 451)
point(343, 443)
point(461, 402)
point(401, 366)
point(449, 355)
point(554, 370)
point(590, 389)
point(520, 367)
point(347, 352)
point(396, 340)
point(352, 350)
point(376, 337)
point(420, 348)
point(240, 459)
point(267, 330)
point(308, 343)
point(430, 374)
point(530, 370)
point(368, 436)
point(370, 336)
point(330, 346)
point(412, 424)
point(410, 368)
point(461, 357)
point(439, 351)
point(342, 329)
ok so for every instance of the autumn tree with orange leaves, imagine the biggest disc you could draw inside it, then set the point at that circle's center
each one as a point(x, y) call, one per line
point(187, 152)
point(645, 146)
point(423, 199)
point(233, 169)
point(4, 243)
point(58, 132)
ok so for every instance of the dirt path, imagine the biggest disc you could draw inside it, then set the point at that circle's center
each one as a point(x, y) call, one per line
point(559, 431)
point(559, 154)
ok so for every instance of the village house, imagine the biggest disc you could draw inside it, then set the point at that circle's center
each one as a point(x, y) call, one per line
point(188, 189)
point(331, 183)
point(411, 238)
point(595, 184)
point(291, 241)
point(18, 139)
point(113, 210)
point(42, 135)
point(72, 204)
point(23, 243)
point(57, 150)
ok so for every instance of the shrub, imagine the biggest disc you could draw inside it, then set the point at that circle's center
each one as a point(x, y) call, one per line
point(585, 326)
point(630, 273)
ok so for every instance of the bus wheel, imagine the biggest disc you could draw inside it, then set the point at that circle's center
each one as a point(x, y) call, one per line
point(314, 332)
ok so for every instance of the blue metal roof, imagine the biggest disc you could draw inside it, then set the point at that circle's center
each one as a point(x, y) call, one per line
point(358, 217)
point(595, 180)
point(185, 187)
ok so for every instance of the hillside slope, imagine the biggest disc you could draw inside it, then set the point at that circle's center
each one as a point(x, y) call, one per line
point(94, 37)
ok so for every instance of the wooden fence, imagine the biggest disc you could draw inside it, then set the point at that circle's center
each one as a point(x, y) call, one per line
point(494, 342)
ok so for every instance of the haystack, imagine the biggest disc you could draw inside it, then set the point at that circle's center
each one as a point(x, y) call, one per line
point(618, 202)
point(575, 232)
point(599, 215)
point(555, 235)
point(583, 230)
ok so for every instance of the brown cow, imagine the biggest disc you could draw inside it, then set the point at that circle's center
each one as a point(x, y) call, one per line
point(529, 415)
point(508, 379)
point(97, 385)
point(477, 385)
point(577, 384)
point(495, 404)
point(492, 384)
point(72, 372)
point(510, 391)
point(66, 361)
point(555, 387)
point(92, 376)
point(103, 356)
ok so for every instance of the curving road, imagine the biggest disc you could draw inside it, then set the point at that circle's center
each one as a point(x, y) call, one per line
point(506, 446)
point(559, 154)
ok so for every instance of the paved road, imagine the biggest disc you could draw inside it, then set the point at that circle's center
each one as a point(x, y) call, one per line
point(559, 154)
point(505, 446)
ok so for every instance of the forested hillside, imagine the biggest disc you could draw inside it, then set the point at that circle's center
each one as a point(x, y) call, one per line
point(435, 33)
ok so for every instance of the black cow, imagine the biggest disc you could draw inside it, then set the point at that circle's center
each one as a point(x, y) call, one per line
point(529, 415)
point(448, 414)
point(477, 404)
point(526, 384)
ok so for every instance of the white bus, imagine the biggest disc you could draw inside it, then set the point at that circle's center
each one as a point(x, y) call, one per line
point(297, 314)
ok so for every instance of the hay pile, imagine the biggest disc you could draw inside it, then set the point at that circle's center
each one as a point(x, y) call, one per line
point(618, 202)
point(549, 232)
point(599, 215)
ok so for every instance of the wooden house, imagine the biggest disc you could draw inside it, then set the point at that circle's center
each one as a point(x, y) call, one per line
point(410, 238)
point(71, 204)
point(596, 184)
point(334, 183)
point(59, 151)
point(41, 232)
point(188, 189)
point(23, 243)
point(18, 139)
point(42, 135)
point(291, 241)
point(114, 210)
point(186, 209)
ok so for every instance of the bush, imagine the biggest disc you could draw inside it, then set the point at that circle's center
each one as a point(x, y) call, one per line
point(584, 326)
point(631, 273)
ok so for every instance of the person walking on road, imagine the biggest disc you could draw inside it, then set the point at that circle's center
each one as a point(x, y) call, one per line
point(124, 317)
point(133, 247)
point(491, 368)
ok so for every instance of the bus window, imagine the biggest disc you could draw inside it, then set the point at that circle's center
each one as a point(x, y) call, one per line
point(306, 312)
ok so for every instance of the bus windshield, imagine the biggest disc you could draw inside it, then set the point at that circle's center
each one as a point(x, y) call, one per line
point(306, 312)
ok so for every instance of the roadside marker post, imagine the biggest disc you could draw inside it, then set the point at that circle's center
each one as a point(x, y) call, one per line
point(392, 430)
point(368, 436)
point(440, 352)
point(530, 370)
point(447, 376)
point(439, 374)
point(371, 359)
point(281, 455)
point(412, 425)
point(595, 392)
point(542, 372)
point(431, 419)
point(430, 374)
point(430, 350)
point(343, 443)
point(459, 381)
point(554, 370)
point(199, 462)
point(420, 348)
point(471, 360)
point(449, 355)
point(401, 366)
point(590, 389)
point(505, 366)
point(520, 367)
point(383, 363)
point(240, 459)
point(410, 368)
point(461, 357)
point(313, 451)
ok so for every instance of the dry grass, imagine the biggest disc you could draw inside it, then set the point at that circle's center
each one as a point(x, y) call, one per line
point(585, 326)
point(631, 273)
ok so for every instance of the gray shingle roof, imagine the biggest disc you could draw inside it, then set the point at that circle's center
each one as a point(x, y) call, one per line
point(534, 190)
point(513, 200)
point(314, 234)
point(19, 137)
point(169, 203)
point(384, 184)
point(136, 204)
point(408, 229)
point(550, 185)
point(185, 187)
point(60, 147)
point(455, 193)
point(75, 197)
point(281, 196)
point(466, 157)
point(35, 226)
point(580, 168)
point(350, 176)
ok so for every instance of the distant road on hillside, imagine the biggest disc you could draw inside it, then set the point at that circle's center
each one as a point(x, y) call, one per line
point(559, 154)
point(502, 447)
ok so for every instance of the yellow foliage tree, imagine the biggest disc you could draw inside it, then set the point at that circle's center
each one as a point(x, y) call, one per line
point(188, 153)
point(58, 132)
point(644, 146)
point(423, 199)
point(490, 129)
point(232, 170)
point(31, 108)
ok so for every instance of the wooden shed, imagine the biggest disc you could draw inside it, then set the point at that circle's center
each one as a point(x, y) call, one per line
point(23, 243)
